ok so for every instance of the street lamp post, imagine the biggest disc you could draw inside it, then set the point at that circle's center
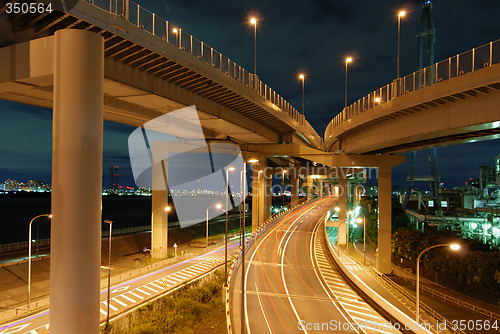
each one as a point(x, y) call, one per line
point(29, 254)
point(218, 206)
point(452, 247)
point(358, 220)
point(253, 21)
point(225, 235)
point(347, 61)
point(401, 14)
point(109, 267)
point(302, 76)
point(283, 190)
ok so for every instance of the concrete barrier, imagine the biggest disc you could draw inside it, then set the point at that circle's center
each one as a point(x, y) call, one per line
point(374, 296)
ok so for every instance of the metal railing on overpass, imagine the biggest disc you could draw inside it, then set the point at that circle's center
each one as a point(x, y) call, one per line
point(472, 60)
point(152, 23)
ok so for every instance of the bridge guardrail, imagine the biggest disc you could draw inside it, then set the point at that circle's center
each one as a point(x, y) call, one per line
point(448, 298)
point(469, 61)
point(163, 29)
point(15, 246)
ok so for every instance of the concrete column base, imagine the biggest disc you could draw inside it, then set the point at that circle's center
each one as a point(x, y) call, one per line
point(384, 220)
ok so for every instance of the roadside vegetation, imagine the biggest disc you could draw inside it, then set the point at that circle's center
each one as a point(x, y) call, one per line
point(473, 270)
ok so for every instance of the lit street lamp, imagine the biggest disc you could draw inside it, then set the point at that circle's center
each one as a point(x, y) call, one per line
point(109, 267)
point(218, 206)
point(176, 32)
point(29, 254)
point(358, 220)
point(401, 14)
point(347, 61)
point(454, 247)
point(225, 235)
point(302, 76)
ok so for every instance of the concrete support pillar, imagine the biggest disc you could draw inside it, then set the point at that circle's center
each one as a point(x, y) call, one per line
point(261, 198)
point(257, 194)
point(342, 187)
point(75, 255)
point(268, 195)
point(384, 220)
point(295, 188)
point(159, 200)
point(310, 187)
point(320, 185)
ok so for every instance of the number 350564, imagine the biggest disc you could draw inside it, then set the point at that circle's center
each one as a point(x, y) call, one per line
point(25, 8)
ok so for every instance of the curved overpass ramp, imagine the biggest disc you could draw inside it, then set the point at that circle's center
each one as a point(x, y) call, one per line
point(455, 101)
point(149, 71)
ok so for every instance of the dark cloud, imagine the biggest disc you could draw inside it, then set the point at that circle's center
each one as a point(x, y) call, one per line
point(312, 37)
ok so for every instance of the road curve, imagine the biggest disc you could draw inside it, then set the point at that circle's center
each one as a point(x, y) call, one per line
point(284, 289)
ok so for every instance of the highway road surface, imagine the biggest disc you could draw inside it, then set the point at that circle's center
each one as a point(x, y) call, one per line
point(292, 288)
point(131, 294)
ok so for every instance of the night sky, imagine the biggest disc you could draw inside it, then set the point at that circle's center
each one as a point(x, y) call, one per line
point(312, 37)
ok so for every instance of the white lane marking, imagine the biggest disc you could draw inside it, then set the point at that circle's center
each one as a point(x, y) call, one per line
point(110, 306)
point(119, 302)
point(190, 273)
point(103, 312)
point(135, 294)
point(127, 298)
point(157, 286)
point(144, 292)
point(15, 329)
point(120, 289)
point(147, 287)
point(317, 271)
point(269, 233)
point(347, 294)
point(262, 308)
point(181, 275)
point(366, 314)
point(283, 277)
point(356, 306)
